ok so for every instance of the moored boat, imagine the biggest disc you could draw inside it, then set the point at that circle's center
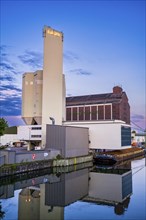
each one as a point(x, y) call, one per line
point(104, 159)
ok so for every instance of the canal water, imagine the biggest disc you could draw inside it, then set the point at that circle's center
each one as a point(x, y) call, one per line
point(80, 192)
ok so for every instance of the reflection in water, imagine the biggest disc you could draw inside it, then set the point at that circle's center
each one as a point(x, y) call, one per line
point(45, 197)
point(112, 187)
point(101, 185)
point(48, 201)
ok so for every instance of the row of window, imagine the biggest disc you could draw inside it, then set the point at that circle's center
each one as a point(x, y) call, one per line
point(36, 128)
point(85, 113)
point(36, 136)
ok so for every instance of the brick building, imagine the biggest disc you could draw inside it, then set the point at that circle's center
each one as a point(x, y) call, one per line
point(108, 106)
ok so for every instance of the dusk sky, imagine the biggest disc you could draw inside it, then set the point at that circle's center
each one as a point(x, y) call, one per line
point(104, 46)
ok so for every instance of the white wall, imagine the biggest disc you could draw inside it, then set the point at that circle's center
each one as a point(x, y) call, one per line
point(7, 138)
point(106, 186)
point(103, 134)
point(25, 132)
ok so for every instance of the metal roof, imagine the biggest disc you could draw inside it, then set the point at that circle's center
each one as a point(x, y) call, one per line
point(94, 99)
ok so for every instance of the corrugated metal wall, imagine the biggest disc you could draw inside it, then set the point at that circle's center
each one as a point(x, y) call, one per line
point(72, 186)
point(71, 141)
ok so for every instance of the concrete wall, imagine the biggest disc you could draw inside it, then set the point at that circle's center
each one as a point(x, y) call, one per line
point(71, 141)
point(103, 134)
point(13, 157)
point(10, 156)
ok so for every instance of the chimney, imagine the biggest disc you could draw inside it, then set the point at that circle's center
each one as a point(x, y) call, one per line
point(117, 90)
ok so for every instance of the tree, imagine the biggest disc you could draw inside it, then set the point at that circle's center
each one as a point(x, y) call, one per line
point(3, 126)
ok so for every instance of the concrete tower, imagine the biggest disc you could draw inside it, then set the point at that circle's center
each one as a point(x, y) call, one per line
point(53, 80)
point(32, 97)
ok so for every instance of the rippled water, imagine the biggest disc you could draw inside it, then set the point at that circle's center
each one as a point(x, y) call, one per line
point(78, 193)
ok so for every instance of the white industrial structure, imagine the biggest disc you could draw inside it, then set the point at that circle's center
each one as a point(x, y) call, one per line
point(44, 102)
point(43, 92)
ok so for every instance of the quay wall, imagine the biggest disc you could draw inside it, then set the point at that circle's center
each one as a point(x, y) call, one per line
point(11, 169)
point(12, 157)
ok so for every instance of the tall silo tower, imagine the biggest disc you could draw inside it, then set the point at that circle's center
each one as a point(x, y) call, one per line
point(53, 80)
point(32, 97)
point(37, 93)
point(27, 97)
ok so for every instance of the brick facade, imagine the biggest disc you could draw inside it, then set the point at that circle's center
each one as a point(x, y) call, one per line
point(109, 106)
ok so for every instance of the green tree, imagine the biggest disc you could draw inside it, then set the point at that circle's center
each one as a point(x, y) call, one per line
point(3, 125)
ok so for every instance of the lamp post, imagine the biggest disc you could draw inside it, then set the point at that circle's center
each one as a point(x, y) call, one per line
point(53, 120)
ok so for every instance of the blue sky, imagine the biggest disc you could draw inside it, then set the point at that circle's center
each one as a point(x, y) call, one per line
point(104, 46)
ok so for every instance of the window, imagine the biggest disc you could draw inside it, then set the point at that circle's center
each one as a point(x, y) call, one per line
point(35, 136)
point(68, 114)
point(87, 113)
point(75, 114)
point(125, 136)
point(81, 113)
point(93, 112)
point(36, 128)
point(100, 112)
point(107, 111)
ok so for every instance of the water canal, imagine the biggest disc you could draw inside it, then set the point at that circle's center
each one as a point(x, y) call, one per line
point(77, 193)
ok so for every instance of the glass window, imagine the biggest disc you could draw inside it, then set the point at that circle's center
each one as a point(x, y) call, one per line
point(68, 114)
point(100, 112)
point(87, 113)
point(93, 112)
point(81, 113)
point(74, 114)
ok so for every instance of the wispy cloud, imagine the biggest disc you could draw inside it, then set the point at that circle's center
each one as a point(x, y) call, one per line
point(137, 117)
point(138, 121)
point(10, 104)
point(70, 56)
point(80, 72)
point(14, 120)
point(6, 78)
point(32, 58)
point(6, 66)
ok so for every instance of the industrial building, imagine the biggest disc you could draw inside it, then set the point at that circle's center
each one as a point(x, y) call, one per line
point(44, 103)
point(108, 106)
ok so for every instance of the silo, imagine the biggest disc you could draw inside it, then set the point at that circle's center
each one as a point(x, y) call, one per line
point(27, 97)
point(38, 83)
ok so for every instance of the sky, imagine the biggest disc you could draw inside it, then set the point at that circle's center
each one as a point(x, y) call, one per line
point(104, 46)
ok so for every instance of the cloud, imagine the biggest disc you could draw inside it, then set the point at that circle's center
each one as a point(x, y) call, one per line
point(137, 117)
point(14, 120)
point(138, 122)
point(32, 58)
point(80, 72)
point(6, 78)
point(7, 67)
point(70, 56)
point(10, 104)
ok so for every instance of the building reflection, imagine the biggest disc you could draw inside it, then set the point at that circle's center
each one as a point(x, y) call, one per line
point(50, 199)
point(46, 197)
point(112, 186)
